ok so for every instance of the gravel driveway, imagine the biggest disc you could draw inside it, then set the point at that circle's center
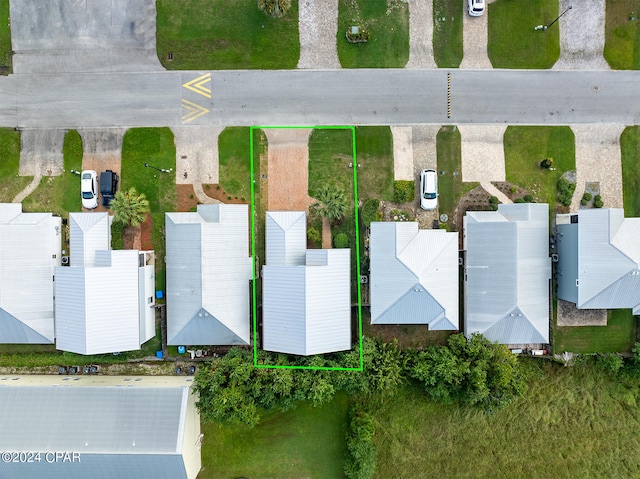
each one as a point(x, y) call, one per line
point(318, 23)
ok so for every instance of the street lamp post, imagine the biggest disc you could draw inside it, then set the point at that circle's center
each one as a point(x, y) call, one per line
point(162, 170)
point(559, 16)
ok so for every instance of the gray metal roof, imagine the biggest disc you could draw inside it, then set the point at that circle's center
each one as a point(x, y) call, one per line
point(608, 260)
point(567, 269)
point(30, 247)
point(208, 274)
point(507, 273)
point(306, 307)
point(128, 429)
point(414, 275)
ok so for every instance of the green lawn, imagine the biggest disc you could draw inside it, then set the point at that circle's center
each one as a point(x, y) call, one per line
point(60, 194)
point(156, 147)
point(622, 35)
point(630, 149)
point(10, 183)
point(572, 422)
point(512, 41)
point(387, 22)
point(450, 187)
point(225, 34)
point(305, 442)
point(374, 153)
point(447, 33)
point(235, 163)
point(6, 65)
point(617, 336)
point(526, 146)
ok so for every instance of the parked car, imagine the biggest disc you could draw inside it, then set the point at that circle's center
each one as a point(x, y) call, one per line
point(428, 189)
point(108, 186)
point(476, 7)
point(89, 189)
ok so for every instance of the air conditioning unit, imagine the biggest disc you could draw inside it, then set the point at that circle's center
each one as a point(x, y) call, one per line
point(65, 261)
point(364, 279)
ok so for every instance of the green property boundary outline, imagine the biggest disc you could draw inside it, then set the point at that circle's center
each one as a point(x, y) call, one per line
point(253, 250)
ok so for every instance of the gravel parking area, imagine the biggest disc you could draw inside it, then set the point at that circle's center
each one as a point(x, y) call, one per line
point(420, 34)
point(475, 36)
point(318, 23)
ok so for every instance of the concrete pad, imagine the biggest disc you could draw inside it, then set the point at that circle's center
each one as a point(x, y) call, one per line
point(41, 152)
point(598, 159)
point(425, 155)
point(197, 159)
point(402, 152)
point(482, 153)
point(582, 36)
point(83, 36)
point(318, 23)
point(475, 34)
point(420, 34)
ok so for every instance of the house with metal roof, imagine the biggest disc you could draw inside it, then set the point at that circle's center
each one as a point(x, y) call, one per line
point(306, 306)
point(507, 273)
point(104, 299)
point(30, 248)
point(209, 270)
point(102, 427)
point(414, 275)
point(599, 259)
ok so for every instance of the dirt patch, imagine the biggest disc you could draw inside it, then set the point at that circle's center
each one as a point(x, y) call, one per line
point(131, 237)
point(186, 199)
point(145, 234)
point(569, 315)
point(217, 192)
point(415, 336)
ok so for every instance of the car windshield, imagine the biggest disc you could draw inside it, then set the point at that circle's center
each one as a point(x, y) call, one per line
point(87, 195)
point(429, 196)
point(86, 176)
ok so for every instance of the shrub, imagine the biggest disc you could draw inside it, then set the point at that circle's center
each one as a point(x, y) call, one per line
point(403, 191)
point(587, 196)
point(610, 362)
point(493, 206)
point(493, 200)
point(341, 240)
point(361, 452)
point(583, 202)
point(370, 211)
point(597, 202)
point(314, 235)
point(519, 200)
point(565, 191)
point(513, 189)
point(207, 186)
point(528, 198)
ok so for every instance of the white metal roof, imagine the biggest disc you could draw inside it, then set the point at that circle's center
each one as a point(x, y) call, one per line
point(507, 273)
point(208, 274)
point(306, 307)
point(89, 232)
point(30, 247)
point(288, 233)
point(414, 275)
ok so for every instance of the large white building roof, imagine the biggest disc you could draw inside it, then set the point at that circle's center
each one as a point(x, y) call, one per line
point(208, 274)
point(414, 275)
point(507, 273)
point(30, 248)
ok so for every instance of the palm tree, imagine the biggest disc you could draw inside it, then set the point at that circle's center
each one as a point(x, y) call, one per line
point(331, 202)
point(130, 207)
point(274, 8)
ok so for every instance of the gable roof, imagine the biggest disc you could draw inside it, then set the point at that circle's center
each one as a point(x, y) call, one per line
point(306, 302)
point(30, 247)
point(208, 274)
point(507, 273)
point(608, 260)
point(414, 275)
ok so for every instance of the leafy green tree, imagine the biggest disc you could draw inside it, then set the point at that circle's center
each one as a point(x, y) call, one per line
point(274, 8)
point(130, 207)
point(331, 202)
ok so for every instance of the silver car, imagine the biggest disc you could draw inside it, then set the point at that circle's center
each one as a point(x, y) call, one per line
point(428, 189)
point(476, 7)
point(89, 189)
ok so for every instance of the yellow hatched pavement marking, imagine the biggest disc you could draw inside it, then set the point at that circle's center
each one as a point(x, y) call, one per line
point(197, 85)
point(193, 111)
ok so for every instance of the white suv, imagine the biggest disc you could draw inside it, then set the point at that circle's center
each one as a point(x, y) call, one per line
point(476, 7)
point(428, 189)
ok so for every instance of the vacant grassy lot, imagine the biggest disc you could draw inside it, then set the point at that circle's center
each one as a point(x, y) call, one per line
point(235, 162)
point(304, 442)
point(447, 33)
point(5, 39)
point(225, 34)
point(450, 187)
point(526, 146)
point(617, 336)
point(330, 152)
point(60, 194)
point(10, 183)
point(374, 153)
point(156, 147)
point(630, 149)
point(572, 422)
point(622, 34)
point(387, 22)
point(512, 41)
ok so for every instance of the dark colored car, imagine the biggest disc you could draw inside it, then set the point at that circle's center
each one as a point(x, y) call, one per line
point(108, 186)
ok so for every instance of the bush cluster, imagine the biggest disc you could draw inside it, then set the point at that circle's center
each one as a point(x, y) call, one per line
point(403, 191)
point(597, 202)
point(565, 191)
point(341, 240)
point(361, 452)
point(314, 235)
point(370, 211)
point(528, 199)
point(493, 203)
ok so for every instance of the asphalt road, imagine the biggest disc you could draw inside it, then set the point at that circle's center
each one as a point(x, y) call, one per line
point(303, 97)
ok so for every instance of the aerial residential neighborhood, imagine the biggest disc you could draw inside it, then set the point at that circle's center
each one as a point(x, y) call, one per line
point(356, 239)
